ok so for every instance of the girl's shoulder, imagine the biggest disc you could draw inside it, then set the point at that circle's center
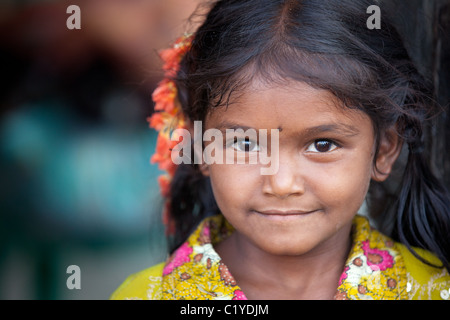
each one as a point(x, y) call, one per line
point(143, 285)
point(399, 270)
point(425, 282)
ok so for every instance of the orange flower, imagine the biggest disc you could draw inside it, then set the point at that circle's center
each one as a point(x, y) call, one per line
point(156, 121)
point(163, 152)
point(164, 185)
point(164, 96)
point(172, 56)
point(167, 118)
point(171, 61)
point(165, 123)
point(161, 121)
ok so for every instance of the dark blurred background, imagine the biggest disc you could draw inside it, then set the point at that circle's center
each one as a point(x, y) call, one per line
point(77, 187)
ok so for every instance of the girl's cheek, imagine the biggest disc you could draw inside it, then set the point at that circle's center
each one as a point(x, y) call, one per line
point(234, 181)
point(343, 179)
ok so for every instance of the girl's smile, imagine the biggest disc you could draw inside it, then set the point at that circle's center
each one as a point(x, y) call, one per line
point(282, 215)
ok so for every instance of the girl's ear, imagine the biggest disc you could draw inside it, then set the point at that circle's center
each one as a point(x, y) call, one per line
point(388, 152)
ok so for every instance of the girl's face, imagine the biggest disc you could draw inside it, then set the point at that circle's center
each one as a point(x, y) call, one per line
point(325, 166)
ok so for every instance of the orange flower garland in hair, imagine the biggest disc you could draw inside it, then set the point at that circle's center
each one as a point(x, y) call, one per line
point(168, 116)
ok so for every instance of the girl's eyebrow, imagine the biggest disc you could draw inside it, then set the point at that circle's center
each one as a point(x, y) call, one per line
point(231, 125)
point(342, 129)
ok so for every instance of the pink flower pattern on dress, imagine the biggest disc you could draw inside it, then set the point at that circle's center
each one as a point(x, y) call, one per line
point(239, 295)
point(344, 275)
point(377, 259)
point(373, 269)
point(180, 257)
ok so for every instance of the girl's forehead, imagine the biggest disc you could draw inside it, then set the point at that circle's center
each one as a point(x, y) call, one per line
point(262, 99)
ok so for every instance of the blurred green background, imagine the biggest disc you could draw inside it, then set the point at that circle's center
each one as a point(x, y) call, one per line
point(77, 186)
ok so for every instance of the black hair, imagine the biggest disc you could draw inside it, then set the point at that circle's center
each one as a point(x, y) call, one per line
point(326, 44)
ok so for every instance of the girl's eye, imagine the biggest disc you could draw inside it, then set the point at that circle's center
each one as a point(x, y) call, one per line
point(322, 146)
point(245, 145)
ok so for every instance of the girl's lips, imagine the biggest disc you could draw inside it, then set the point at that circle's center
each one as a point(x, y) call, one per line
point(283, 214)
point(274, 212)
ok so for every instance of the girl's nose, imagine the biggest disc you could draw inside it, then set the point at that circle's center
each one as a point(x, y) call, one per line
point(287, 180)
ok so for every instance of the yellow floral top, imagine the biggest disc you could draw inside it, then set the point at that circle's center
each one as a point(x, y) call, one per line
point(377, 268)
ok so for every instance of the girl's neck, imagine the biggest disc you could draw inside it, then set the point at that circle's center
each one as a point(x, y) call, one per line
point(261, 275)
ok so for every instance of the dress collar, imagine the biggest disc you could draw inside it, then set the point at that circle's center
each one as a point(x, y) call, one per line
point(373, 270)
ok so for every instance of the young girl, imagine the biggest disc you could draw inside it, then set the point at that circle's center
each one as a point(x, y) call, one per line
point(344, 100)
